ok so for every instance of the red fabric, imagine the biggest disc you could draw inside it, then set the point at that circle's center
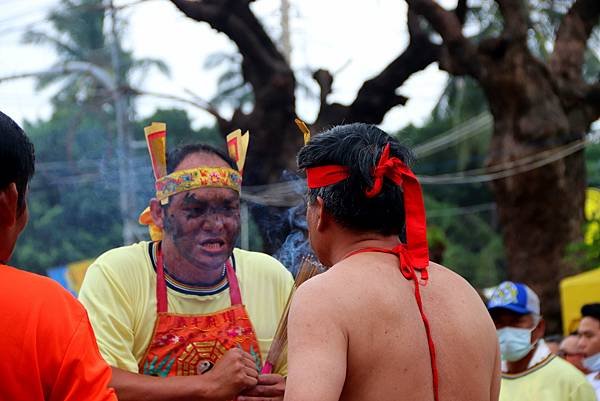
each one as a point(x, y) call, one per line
point(395, 170)
point(323, 176)
point(48, 347)
point(409, 272)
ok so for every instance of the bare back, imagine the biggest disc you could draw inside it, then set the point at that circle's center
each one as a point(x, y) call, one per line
point(387, 354)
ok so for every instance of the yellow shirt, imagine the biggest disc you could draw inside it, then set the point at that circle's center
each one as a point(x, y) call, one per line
point(553, 379)
point(119, 293)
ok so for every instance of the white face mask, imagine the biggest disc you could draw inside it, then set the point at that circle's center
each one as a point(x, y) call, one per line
point(592, 363)
point(515, 343)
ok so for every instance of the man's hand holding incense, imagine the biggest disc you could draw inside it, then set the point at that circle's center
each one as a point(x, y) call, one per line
point(269, 388)
point(232, 374)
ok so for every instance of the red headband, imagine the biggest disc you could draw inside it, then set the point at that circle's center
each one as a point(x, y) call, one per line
point(399, 173)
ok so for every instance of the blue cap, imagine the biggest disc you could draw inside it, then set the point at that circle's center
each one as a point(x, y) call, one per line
point(516, 297)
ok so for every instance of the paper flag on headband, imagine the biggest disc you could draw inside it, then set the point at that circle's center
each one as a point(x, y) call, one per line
point(237, 146)
point(156, 139)
point(304, 129)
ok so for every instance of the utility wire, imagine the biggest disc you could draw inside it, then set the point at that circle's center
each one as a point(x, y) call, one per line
point(467, 177)
point(476, 125)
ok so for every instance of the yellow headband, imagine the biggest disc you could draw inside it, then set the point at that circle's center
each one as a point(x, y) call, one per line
point(186, 180)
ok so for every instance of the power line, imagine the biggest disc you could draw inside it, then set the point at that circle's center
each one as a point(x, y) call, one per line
point(467, 177)
point(465, 130)
point(458, 211)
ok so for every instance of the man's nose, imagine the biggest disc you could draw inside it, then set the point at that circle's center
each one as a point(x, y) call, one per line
point(213, 222)
point(580, 343)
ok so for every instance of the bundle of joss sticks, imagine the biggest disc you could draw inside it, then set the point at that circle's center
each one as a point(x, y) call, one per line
point(309, 267)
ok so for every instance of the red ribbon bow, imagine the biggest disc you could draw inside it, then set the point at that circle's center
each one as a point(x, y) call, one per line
point(387, 167)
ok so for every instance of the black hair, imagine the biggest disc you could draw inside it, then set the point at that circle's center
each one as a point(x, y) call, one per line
point(553, 338)
point(357, 146)
point(177, 155)
point(591, 310)
point(17, 158)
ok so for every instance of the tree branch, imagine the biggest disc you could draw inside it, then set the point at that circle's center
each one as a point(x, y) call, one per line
point(325, 81)
point(196, 102)
point(567, 58)
point(461, 11)
point(516, 19)
point(69, 67)
point(459, 55)
point(108, 83)
point(378, 95)
point(261, 59)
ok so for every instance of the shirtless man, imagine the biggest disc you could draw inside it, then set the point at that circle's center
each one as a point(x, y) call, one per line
point(356, 332)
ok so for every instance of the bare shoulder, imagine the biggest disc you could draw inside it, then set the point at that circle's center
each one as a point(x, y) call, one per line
point(321, 297)
point(453, 294)
point(443, 277)
point(323, 288)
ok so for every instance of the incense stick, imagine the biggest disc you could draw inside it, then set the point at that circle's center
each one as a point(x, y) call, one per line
point(309, 267)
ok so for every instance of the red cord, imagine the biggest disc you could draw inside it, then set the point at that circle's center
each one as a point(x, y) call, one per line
point(409, 272)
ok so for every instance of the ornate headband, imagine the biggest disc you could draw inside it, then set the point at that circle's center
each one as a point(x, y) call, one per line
point(186, 180)
point(168, 185)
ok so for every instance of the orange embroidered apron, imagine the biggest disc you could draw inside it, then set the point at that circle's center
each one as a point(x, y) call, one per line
point(184, 345)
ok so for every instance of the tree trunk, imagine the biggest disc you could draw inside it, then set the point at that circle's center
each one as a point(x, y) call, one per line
point(540, 211)
point(542, 111)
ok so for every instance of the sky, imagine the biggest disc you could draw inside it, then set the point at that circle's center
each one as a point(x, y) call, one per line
point(351, 40)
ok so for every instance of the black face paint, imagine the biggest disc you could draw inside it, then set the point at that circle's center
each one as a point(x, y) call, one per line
point(196, 208)
point(204, 226)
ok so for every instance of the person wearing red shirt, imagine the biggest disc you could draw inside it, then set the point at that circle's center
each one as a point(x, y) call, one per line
point(46, 341)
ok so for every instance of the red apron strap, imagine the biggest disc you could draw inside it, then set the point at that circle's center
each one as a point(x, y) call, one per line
point(161, 285)
point(234, 286)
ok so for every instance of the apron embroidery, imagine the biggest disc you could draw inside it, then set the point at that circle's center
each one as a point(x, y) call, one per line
point(186, 345)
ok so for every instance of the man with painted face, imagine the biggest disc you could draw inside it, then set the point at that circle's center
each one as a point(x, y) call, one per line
point(529, 370)
point(383, 323)
point(589, 342)
point(189, 316)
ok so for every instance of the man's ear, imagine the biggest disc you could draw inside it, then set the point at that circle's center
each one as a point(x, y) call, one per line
point(539, 331)
point(156, 210)
point(323, 218)
point(9, 199)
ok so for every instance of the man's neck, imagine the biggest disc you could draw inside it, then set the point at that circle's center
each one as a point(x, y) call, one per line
point(348, 243)
point(181, 269)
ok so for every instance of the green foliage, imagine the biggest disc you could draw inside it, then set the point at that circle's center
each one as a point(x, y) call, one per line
point(73, 202)
point(473, 245)
point(586, 255)
point(592, 161)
